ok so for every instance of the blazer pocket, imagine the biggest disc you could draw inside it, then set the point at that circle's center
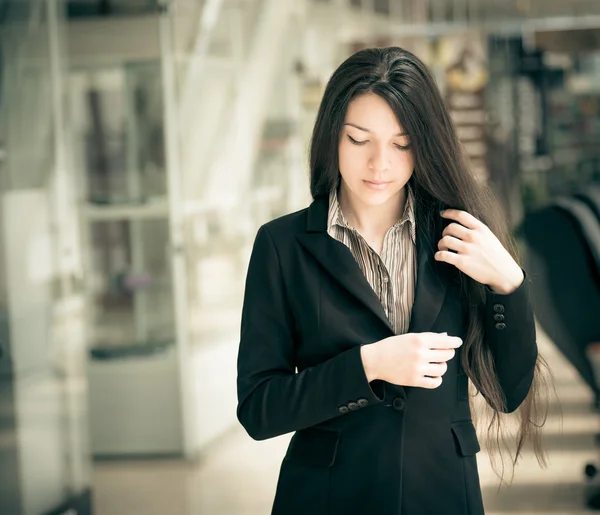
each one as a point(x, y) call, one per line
point(313, 446)
point(466, 437)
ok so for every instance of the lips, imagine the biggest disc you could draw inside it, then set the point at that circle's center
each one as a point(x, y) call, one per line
point(377, 185)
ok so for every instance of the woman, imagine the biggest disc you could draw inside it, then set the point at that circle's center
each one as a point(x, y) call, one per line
point(366, 313)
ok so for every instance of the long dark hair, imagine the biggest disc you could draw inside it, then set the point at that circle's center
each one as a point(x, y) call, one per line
point(441, 178)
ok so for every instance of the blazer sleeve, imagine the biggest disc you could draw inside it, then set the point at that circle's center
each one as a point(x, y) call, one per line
point(272, 398)
point(511, 336)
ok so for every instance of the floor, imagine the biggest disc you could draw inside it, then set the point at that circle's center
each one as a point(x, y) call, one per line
point(237, 476)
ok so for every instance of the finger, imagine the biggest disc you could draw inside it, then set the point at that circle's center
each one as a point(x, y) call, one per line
point(449, 257)
point(435, 369)
point(441, 355)
point(462, 217)
point(452, 243)
point(458, 231)
point(430, 382)
point(445, 342)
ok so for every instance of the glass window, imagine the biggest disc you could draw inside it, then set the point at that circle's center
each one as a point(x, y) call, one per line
point(130, 283)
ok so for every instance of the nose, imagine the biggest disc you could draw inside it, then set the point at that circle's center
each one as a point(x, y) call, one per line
point(379, 159)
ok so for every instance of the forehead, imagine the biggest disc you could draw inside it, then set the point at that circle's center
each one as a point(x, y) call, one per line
point(374, 113)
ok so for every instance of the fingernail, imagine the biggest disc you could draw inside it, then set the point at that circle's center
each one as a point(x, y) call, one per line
point(442, 211)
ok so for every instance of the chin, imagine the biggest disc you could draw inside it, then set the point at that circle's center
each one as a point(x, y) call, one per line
point(374, 200)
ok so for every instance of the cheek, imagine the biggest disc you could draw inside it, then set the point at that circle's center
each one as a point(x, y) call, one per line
point(350, 159)
point(405, 162)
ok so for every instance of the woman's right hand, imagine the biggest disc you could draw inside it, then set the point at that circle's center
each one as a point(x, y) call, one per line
point(413, 359)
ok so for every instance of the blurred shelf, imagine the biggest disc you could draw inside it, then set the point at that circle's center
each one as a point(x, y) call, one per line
point(156, 208)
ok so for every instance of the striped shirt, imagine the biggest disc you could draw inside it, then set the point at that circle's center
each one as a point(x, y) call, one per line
point(393, 274)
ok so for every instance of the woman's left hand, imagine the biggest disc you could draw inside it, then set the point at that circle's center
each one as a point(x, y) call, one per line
point(478, 253)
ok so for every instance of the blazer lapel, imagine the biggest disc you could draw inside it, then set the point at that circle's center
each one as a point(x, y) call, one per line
point(430, 290)
point(337, 259)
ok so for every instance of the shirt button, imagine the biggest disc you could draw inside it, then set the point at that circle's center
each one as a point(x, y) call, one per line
point(498, 308)
point(362, 402)
point(500, 326)
point(353, 405)
point(343, 409)
point(385, 280)
point(498, 318)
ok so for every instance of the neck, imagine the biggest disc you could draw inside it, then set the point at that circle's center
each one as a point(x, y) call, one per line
point(371, 220)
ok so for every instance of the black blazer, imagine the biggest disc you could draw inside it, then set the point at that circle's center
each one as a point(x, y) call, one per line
point(363, 448)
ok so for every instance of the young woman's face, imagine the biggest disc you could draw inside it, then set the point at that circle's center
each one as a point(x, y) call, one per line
point(374, 155)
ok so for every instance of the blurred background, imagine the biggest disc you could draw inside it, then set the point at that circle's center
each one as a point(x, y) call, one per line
point(142, 144)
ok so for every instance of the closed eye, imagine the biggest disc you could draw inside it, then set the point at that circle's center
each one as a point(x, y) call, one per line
point(356, 142)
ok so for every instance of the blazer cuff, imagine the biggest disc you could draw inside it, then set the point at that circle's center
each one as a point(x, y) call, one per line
point(510, 331)
point(361, 393)
point(502, 310)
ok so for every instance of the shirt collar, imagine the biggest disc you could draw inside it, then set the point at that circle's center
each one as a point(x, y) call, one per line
point(336, 216)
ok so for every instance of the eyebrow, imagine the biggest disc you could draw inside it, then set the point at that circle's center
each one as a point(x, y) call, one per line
point(367, 130)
